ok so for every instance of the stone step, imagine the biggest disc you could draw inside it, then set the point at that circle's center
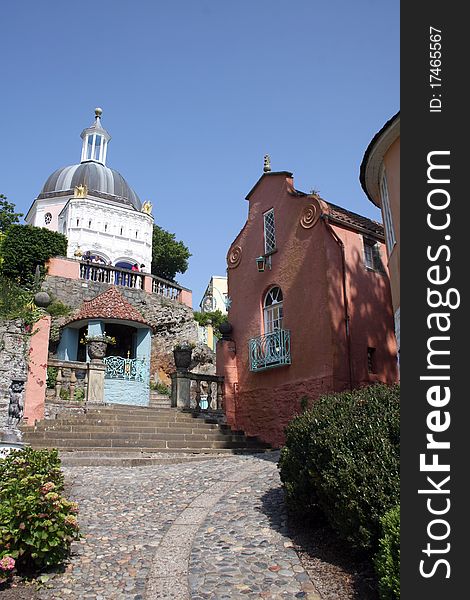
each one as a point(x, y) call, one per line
point(57, 436)
point(146, 452)
point(141, 445)
point(138, 429)
point(147, 427)
point(122, 457)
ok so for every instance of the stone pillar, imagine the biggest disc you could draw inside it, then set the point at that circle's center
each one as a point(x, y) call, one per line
point(148, 284)
point(180, 389)
point(186, 297)
point(96, 369)
point(35, 392)
point(226, 365)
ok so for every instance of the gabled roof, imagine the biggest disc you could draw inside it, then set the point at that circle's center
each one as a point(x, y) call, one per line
point(350, 218)
point(108, 305)
point(335, 212)
point(269, 174)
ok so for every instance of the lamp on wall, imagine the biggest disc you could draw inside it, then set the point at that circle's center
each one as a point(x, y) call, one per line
point(261, 263)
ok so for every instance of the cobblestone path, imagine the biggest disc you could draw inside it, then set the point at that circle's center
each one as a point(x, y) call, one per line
point(214, 529)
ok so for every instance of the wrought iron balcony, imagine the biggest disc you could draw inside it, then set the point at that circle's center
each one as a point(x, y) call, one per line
point(270, 350)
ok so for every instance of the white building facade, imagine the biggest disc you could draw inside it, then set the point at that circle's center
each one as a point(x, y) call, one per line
point(95, 208)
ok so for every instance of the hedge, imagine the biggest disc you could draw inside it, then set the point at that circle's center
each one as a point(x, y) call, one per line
point(387, 561)
point(342, 458)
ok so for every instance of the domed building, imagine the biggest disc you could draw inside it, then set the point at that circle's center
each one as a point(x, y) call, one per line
point(95, 207)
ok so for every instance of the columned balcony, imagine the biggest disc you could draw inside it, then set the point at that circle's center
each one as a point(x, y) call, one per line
point(270, 350)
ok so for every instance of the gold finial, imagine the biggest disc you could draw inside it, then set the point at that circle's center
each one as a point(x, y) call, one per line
point(80, 191)
point(147, 207)
point(98, 112)
point(267, 164)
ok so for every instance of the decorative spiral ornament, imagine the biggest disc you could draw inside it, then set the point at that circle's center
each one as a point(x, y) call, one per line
point(310, 216)
point(234, 257)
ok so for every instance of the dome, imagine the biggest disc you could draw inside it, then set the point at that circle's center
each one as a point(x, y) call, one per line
point(100, 180)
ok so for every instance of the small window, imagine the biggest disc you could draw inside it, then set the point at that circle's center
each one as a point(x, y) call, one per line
point(47, 218)
point(78, 222)
point(371, 368)
point(89, 224)
point(121, 230)
point(106, 227)
point(372, 259)
point(97, 147)
point(136, 233)
point(269, 232)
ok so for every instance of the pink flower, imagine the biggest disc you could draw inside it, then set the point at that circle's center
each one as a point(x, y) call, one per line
point(72, 521)
point(22, 526)
point(47, 487)
point(7, 563)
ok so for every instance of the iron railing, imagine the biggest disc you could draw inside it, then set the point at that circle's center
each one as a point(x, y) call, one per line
point(270, 350)
point(131, 369)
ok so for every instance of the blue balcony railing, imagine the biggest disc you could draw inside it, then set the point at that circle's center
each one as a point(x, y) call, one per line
point(270, 350)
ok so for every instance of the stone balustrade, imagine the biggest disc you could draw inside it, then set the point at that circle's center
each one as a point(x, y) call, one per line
point(196, 391)
point(71, 377)
point(94, 271)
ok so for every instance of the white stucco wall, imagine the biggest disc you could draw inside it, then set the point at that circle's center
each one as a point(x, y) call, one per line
point(96, 225)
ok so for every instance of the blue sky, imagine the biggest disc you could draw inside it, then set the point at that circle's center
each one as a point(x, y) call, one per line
point(194, 93)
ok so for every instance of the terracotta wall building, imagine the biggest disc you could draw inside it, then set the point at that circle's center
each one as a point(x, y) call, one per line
point(380, 179)
point(310, 307)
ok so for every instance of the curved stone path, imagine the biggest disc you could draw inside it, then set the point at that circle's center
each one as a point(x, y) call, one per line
point(209, 530)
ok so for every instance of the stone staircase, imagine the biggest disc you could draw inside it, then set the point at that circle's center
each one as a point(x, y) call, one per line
point(120, 434)
point(159, 401)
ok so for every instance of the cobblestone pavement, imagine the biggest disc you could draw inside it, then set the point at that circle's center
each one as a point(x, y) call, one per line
point(214, 529)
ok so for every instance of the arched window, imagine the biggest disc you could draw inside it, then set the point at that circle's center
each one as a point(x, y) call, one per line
point(273, 310)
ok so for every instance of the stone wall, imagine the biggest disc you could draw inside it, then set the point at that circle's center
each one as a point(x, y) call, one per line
point(14, 347)
point(172, 321)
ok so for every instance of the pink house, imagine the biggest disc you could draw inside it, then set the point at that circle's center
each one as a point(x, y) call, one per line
point(310, 310)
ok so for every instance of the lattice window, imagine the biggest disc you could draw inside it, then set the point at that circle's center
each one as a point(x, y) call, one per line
point(273, 312)
point(47, 218)
point(269, 231)
point(372, 258)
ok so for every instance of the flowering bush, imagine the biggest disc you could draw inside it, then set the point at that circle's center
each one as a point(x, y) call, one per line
point(7, 566)
point(37, 523)
point(109, 339)
point(184, 346)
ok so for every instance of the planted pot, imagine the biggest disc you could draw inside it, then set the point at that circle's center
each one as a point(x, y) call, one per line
point(182, 358)
point(97, 349)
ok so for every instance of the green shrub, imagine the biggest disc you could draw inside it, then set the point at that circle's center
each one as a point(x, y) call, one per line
point(51, 378)
point(24, 247)
point(17, 303)
point(160, 387)
point(37, 523)
point(342, 457)
point(387, 561)
point(79, 395)
point(58, 309)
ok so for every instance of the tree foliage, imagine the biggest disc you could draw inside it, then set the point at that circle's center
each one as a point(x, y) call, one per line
point(215, 317)
point(8, 216)
point(25, 247)
point(168, 255)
